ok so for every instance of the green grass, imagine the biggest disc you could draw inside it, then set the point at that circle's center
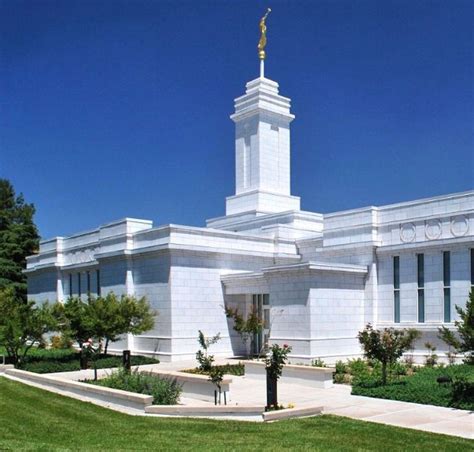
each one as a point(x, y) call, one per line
point(32, 419)
point(421, 387)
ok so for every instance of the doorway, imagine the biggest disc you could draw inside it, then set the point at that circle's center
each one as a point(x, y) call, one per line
point(261, 305)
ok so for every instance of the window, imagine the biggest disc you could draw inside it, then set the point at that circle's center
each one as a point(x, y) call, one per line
point(421, 287)
point(79, 285)
point(396, 289)
point(97, 274)
point(447, 286)
point(70, 285)
point(472, 268)
point(88, 284)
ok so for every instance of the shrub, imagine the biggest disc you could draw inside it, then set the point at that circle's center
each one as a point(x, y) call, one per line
point(432, 358)
point(318, 362)
point(463, 393)
point(231, 369)
point(61, 342)
point(423, 387)
point(164, 391)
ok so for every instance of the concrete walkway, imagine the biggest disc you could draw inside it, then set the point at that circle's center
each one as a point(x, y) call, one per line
point(336, 400)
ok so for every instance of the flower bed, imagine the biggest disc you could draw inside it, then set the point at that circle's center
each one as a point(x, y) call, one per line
point(228, 369)
point(457, 390)
point(164, 391)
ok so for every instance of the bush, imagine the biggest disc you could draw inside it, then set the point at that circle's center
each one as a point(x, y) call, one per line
point(463, 393)
point(318, 362)
point(423, 387)
point(61, 360)
point(164, 392)
point(231, 369)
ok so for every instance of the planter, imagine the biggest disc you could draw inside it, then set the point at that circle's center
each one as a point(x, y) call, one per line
point(315, 377)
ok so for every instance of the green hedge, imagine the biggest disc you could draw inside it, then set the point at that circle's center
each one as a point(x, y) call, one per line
point(423, 387)
point(48, 361)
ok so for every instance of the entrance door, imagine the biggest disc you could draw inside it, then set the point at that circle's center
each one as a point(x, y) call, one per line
point(261, 305)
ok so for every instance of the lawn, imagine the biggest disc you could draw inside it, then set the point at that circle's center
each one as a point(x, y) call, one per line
point(422, 387)
point(32, 419)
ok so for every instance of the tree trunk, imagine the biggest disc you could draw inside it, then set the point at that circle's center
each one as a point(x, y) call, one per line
point(106, 345)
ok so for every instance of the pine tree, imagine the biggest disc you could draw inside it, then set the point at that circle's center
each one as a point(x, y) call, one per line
point(18, 238)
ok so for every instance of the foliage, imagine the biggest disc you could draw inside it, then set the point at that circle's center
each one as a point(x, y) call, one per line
point(18, 238)
point(463, 392)
point(386, 345)
point(22, 324)
point(432, 358)
point(231, 369)
point(69, 424)
point(248, 327)
point(277, 358)
point(465, 330)
point(423, 387)
point(75, 319)
point(61, 341)
point(164, 391)
point(318, 362)
point(203, 358)
point(61, 360)
point(103, 318)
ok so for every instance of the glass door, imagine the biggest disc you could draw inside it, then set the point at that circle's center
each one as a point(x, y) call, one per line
point(261, 305)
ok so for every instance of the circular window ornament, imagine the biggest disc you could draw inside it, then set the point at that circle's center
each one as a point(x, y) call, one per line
point(459, 226)
point(433, 229)
point(407, 232)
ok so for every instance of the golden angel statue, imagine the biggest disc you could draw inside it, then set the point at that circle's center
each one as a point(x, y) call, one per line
point(263, 38)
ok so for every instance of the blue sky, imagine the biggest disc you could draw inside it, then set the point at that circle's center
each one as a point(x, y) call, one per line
point(121, 108)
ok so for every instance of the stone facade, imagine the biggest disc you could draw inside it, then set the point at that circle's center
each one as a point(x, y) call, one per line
point(323, 276)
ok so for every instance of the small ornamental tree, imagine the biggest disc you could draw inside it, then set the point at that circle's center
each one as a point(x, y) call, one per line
point(22, 324)
point(136, 314)
point(247, 328)
point(386, 345)
point(465, 330)
point(274, 363)
point(75, 320)
point(203, 358)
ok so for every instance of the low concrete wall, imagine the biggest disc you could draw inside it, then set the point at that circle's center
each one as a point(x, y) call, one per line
point(289, 413)
point(315, 377)
point(196, 386)
point(115, 396)
point(4, 367)
point(214, 411)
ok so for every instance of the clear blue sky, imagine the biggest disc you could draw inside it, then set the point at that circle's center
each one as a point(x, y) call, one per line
point(121, 108)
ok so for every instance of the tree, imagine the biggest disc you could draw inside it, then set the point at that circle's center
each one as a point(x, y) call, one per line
point(18, 238)
point(465, 330)
point(104, 318)
point(75, 320)
point(386, 345)
point(205, 361)
point(246, 328)
point(22, 324)
point(112, 316)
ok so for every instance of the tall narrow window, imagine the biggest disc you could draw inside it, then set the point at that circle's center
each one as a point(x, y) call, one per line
point(447, 285)
point(79, 284)
point(97, 274)
point(472, 268)
point(70, 285)
point(88, 283)
point(396, 289)
point(421, 287)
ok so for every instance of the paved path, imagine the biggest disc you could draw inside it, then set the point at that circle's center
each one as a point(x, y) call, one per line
point(336, 400)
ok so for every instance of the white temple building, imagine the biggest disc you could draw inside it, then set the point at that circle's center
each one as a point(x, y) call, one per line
point(316, 279)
